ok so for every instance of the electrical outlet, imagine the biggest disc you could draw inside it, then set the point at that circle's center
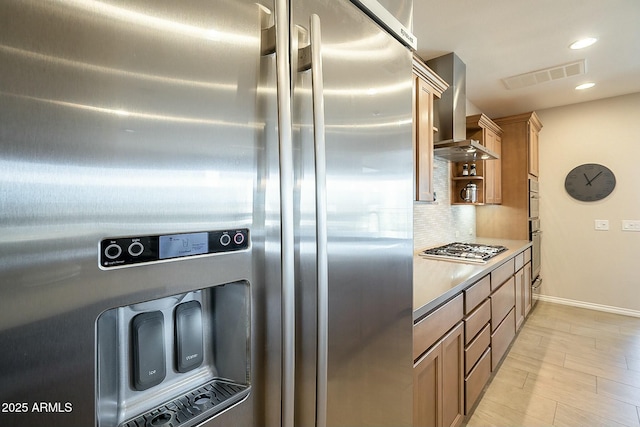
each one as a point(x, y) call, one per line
point(630, 225)
point(602, 224)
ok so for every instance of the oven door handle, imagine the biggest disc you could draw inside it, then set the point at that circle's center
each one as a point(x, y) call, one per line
point(536, 283)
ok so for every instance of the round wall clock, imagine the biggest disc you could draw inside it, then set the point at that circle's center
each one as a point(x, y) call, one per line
point(590, 182)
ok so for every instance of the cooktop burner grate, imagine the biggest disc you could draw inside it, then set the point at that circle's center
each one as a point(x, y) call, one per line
point(464, 252)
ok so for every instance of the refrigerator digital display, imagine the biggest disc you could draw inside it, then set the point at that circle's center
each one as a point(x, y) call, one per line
point(179, 245)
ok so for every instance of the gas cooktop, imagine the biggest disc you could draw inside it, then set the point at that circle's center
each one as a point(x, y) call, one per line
point(464, 252)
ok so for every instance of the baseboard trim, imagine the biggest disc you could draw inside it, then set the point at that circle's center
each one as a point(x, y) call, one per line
point(589, 305)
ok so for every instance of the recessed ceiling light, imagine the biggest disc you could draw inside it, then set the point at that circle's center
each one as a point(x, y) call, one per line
point(585, 86)
point(581, 44)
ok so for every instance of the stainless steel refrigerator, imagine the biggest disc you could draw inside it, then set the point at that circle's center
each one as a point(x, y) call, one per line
point(205, 213)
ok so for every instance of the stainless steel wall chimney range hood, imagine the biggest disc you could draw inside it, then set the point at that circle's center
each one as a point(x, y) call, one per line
point(450, 115)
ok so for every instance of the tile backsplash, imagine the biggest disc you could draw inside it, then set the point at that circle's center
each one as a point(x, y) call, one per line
point(440, 222)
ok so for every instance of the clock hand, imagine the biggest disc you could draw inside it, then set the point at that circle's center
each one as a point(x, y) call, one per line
point(594, 178)
point(587, 178)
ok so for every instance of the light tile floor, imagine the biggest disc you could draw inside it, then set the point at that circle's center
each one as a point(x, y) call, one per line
point(568, 366)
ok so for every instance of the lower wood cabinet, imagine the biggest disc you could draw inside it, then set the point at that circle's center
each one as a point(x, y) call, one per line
point(523, 294)
point(438, 383)
point(477, 338)
point(528, 297)
point(502, 337)
point(458, 345)
point(476, 380)
point(502, 301)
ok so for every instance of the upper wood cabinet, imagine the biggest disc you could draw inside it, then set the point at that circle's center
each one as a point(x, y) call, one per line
point(520, 161)
point(534, 157)
point(488, 173)
point(483, 129)
point(523, 129)
point(427, 85)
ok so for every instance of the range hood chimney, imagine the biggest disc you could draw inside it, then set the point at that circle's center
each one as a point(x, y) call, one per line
point(450, 115)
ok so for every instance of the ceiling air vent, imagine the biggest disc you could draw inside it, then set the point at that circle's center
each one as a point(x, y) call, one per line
point(548, 74)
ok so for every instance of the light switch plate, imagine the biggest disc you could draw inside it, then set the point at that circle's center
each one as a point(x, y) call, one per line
point(602, 224)
point(630, 225)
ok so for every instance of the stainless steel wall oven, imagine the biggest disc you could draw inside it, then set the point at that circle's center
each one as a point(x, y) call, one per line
point(535, 235)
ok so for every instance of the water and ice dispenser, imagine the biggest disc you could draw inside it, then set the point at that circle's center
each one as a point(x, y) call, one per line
point(176, 360)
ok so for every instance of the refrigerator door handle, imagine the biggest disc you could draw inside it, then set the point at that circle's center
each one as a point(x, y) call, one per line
point(275, 39)
point(311, 57)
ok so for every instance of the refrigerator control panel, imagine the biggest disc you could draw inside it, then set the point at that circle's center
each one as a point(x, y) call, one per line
point(126, 251)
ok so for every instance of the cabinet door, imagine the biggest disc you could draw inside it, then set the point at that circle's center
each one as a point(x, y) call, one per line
point(533, 151)
point(497, 172)
point(502, 301)
point(501, 338)
point(520, 302)
point(424, 140)
point(489, 168)
point(438, 383)
point(453, 377)
point(527, 289)
point(427, 389)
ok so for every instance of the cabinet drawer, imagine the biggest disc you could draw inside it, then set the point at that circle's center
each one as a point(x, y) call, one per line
point(477, 293)
point(430, 329)
point(476, 348)
point(476, 321)
point(502, 301)
point(476, 380)
point(502, 273)
point(502, 337)
point(527, 255)
point(519, 261)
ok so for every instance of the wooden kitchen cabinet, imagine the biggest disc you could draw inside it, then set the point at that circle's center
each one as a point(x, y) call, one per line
point(519, 313)
point(427, 86)
point(502, 302)
point(438, 381)
point(489, 134)
point(523, 286)
point(503, 313)
point(501, 338)
point(477, 379)
point(438, 372)
point(527, 295)
point(477, 339)
point(534, 155)
point(520, 161)
point(524, 129)
point(459, 344)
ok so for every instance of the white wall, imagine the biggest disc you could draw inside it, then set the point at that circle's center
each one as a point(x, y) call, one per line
point(579, 263)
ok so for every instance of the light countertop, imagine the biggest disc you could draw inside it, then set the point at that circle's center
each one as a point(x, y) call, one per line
point(435, 281)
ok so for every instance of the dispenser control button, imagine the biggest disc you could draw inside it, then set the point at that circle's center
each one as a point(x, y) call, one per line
point(225, 239)
point(238, 239)
point(112, 251)
point(189, 343)
point(136, 248)
point(148, 350)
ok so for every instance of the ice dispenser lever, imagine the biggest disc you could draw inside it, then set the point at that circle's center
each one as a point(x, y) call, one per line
point(148, 350)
